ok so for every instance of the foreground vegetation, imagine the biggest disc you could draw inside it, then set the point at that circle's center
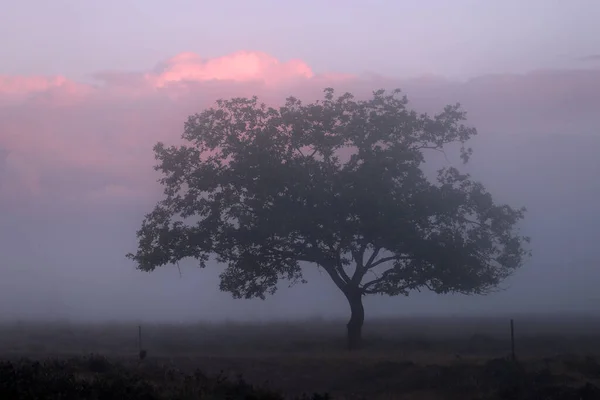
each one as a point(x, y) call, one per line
point(403, 359)
point(95, 377)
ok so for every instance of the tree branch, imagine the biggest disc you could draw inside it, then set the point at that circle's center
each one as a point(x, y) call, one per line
point(359, 270)
point(339, 266)
point(439, 149)
point(374, 282)
point(365, 288)
point(372, 258)
point(343, 275)
point(386, 259)
point(337, 279)
point(299, 151)
point(335, 270)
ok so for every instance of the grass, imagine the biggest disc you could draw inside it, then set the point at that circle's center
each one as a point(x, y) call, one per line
point(412, 358)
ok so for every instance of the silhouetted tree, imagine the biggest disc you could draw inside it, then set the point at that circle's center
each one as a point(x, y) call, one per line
point(337, 184)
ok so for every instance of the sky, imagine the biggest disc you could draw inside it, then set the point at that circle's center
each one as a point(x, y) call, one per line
point(87, 88)
point(460, 38)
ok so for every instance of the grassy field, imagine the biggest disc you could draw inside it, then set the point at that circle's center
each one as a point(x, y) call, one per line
point(412, 358)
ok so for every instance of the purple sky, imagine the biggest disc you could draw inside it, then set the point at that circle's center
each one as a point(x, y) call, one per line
point(87, 88)
point(457, 38)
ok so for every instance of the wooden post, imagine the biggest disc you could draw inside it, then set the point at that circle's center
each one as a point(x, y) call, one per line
point(142, 351)
point(512, 340)
point(140, 337)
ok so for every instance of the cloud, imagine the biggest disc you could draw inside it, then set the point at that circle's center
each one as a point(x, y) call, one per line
point(186, 68)
point(239, 67)
point(590, 57)
point(67, 142)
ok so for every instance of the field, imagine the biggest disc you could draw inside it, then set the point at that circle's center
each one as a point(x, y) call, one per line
point(404, 358)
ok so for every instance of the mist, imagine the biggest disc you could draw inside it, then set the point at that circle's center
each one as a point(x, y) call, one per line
point(65, 260)
point(76, 179)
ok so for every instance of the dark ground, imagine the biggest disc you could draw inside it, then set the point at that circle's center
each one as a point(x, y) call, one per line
point(410, 358)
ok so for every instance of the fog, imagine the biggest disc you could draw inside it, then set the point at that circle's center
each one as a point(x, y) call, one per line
point(76, 179)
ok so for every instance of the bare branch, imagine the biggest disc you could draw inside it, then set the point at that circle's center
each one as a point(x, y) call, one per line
point(335, 277)
point(386, 259)
point(299, 151)
point(439, 149)
point(179, 269)
point(371, 287)
point(359, 270)
point(372, 258)
point(339, 267)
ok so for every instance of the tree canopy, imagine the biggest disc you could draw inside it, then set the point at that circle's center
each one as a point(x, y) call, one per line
point(338, 184)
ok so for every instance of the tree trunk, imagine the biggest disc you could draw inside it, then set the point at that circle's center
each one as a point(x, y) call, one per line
point(357, 318)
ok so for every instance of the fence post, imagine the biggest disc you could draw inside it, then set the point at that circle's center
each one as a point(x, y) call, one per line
point(512, 340)
point(143, 352)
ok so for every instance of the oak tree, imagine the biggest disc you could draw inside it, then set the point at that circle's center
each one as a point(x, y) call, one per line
point(337, 184)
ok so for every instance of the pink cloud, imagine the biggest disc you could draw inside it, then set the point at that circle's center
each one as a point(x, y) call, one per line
point(66, 141)
point(29, 84)
point(242, 66)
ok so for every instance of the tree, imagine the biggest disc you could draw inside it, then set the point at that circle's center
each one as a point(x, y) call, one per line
point(337, 184)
